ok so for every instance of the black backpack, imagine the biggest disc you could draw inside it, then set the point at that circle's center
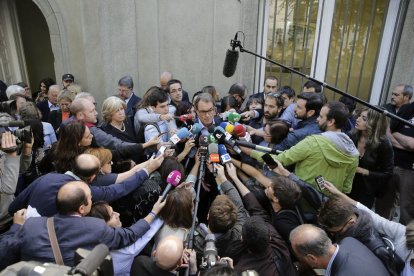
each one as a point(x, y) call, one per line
point(384, 249)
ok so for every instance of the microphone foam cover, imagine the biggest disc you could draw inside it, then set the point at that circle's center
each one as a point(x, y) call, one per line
point(239, 131)
point(230, 128)
point(196, 128)
point(213, 148)
point(174, 178)
point(230, 63)
point(219, 128)
point(222, 149)
point(183, 133)
point(224, 124)
point(234, 117)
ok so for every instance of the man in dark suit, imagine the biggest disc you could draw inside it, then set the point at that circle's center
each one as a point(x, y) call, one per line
point(51, 103)
point(42, 192)
point(125, 92)
point(270, 86)
point(73, 229)
point(350, 257)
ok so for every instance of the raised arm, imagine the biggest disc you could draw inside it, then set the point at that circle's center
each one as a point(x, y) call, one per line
point(253, 172)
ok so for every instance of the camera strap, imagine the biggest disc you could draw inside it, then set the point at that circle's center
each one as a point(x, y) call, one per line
point(54, 242)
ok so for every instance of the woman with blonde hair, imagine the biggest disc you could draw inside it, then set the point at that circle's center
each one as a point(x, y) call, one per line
point(376, 157)
point(57, 117)
point(115, 123)
point(105, 158)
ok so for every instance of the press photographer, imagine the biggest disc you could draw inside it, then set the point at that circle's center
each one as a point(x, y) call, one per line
point(15, 158)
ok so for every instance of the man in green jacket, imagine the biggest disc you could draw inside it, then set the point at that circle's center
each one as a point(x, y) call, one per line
point(331, 154)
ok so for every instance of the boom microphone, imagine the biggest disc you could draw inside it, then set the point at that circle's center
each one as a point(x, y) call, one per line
point(230, 63)
point(173, 180)
point(257, 147)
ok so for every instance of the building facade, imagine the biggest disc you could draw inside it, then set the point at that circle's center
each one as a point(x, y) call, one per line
point(363, 47)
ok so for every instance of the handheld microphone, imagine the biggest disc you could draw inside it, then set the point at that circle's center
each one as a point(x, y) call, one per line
point(224, 156)
point(241, 133)
point(212, 139)
point(224, 138)
point(223, 124)
point(224, 115)
point(234, 117)
point(229, 128)
point(257, 147)
point(214, 156)
point(230, 63)
point(184, 118)
point(181, 134)
point(195, 129)
point(203, 144)
point(12, 124)
point(173, 180)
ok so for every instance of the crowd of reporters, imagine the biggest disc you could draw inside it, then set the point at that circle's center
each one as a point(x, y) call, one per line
point(273, 182)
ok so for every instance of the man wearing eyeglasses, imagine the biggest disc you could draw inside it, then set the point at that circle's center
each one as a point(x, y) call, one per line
point(206, 111)
point(342, 219)
point(175, 92)
point(126, 93)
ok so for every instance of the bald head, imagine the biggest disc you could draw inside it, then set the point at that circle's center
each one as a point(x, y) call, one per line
point(86, 166)
point(74, 198)
point(309, 239)
point(169, 253)
point(164, 79)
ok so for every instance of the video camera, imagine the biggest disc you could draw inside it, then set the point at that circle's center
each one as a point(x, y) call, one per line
point(210, 255)
point(90, 263)
point(23, 133)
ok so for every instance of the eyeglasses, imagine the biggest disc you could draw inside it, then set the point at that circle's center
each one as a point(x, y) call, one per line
point(341, 229)
point(205, 112)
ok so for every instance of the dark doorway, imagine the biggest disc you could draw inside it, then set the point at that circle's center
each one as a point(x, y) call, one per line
point(36, 43)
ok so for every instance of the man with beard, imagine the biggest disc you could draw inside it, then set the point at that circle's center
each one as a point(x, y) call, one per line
point(307, 110)
point(331, 154)
point(272, 107)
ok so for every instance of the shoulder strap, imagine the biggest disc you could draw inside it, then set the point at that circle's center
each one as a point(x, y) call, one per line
point(54, 242)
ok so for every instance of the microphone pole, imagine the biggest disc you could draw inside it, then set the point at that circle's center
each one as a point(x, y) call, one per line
point(236, 43)
point(201, 172)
